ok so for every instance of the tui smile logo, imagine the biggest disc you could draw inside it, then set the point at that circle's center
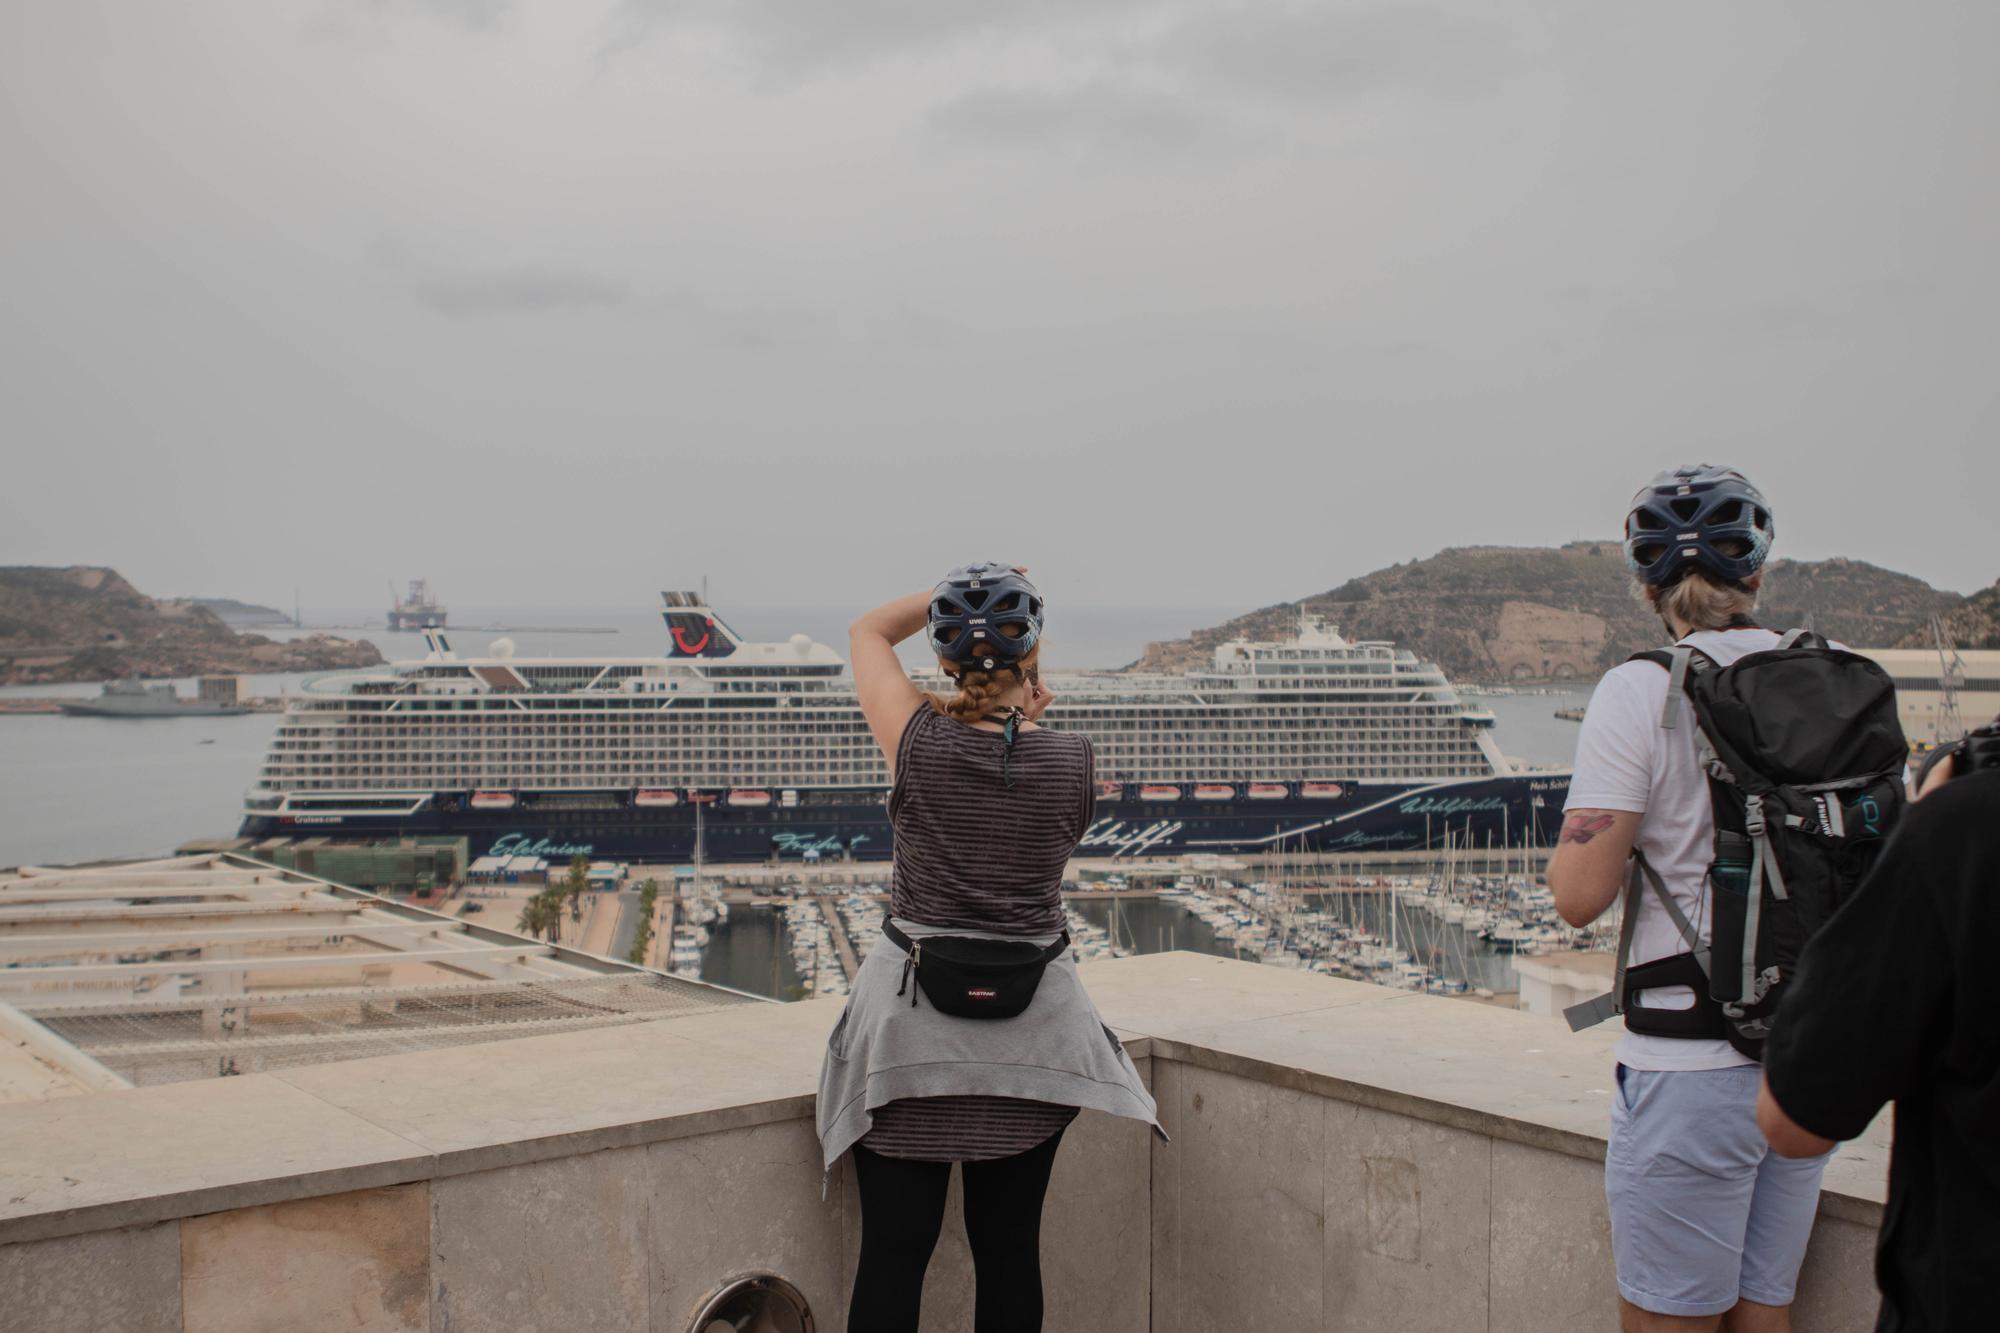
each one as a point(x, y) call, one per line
point(696, 634)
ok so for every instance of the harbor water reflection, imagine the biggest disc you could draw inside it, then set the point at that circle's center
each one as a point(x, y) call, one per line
point(751, 951)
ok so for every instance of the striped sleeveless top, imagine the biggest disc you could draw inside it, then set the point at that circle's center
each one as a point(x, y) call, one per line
point(978, 854)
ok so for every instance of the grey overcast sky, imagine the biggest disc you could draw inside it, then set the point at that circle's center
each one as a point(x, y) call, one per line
point(1178, 300)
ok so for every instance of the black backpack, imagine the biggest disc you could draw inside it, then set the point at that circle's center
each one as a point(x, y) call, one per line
point(1805, 756)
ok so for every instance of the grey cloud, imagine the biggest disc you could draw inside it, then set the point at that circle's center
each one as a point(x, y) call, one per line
point(524, 289)
point(804, 35)
point(1331, 53)
point(1156, 76)
point(1192, 82)
point(1091, 117)
point(1267, 50)
point(477, 14)
point(366, 19)
point(531, 288)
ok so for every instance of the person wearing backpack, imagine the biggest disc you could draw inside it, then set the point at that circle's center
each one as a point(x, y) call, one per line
point(1709, 1227)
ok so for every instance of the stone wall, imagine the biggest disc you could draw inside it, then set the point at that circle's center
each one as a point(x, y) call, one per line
point(1342, 1156)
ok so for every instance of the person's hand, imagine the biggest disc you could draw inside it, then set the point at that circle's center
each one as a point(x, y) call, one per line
point(1039, 698)
point(1939, 775)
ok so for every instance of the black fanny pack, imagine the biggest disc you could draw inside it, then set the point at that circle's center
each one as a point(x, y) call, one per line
point(974, 978)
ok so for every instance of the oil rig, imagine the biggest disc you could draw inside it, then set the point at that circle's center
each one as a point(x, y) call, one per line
point(419, 610)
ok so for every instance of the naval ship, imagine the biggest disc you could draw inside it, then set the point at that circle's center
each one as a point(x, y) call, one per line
point(136, 698)
point(732, 750)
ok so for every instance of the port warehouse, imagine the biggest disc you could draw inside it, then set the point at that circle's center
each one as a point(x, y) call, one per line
point(403, 865)
point(1921, 697)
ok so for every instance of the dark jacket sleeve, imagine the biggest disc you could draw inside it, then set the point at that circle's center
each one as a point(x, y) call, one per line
point(1871, 988)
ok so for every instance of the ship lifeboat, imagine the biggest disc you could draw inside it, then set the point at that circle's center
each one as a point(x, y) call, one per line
point(1214, 791)
point(1324, 791)
point(1110, 791)
point(493, 800)
point(1158, 792)
point(750, 799)
point(1267, 791)
point(656, 799)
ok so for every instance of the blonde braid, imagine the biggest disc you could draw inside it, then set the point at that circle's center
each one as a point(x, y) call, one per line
point(978, 691)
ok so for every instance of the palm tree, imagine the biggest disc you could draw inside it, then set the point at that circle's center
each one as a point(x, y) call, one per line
point(542, 915)
point(575, 884)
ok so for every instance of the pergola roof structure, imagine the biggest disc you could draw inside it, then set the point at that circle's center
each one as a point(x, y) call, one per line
point(203, 966)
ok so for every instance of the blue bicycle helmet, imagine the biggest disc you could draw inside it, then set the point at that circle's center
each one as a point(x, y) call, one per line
point(1698, 517)
point(984, 616)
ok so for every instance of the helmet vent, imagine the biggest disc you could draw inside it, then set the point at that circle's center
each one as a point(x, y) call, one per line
point(1647, 521)
point(1685, 508)
point(975, 598)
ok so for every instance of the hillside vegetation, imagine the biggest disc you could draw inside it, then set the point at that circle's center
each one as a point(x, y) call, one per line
point(1973, 622)
point(1493, 614)
point(85, 623)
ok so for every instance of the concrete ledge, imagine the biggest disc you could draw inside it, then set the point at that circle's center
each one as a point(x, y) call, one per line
point(148, 1155)
point(1498, 1072)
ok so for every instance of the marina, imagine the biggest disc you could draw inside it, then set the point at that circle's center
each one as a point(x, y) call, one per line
point(1452, 931)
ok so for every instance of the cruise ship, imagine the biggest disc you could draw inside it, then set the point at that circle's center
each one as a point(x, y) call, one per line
point(729, 750)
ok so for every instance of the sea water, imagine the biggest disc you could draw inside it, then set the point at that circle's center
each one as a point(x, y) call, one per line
point(81, 789)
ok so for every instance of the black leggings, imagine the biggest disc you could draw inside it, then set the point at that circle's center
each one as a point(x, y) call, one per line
point(902, 1208)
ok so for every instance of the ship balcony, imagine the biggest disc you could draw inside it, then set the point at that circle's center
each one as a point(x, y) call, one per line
point(1343, 1156)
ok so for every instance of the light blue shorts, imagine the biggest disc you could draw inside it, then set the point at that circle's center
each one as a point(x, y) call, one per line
point(1702, 1211)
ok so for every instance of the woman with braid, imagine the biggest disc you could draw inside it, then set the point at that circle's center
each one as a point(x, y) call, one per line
point(987, 806)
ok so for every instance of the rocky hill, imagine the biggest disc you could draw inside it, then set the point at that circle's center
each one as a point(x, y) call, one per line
point(87, 623)
point(1491, 614)
point(243, 615)
point(1973, 622)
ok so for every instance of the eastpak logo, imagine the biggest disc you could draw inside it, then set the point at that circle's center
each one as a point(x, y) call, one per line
point(980, 993)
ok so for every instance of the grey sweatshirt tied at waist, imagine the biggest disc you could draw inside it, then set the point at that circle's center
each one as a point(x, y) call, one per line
point(883, 1048)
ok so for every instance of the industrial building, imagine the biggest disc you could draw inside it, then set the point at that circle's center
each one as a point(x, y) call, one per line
point(199, 967)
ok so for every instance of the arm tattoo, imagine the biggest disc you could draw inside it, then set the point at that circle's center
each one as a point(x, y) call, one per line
point(1583, 826)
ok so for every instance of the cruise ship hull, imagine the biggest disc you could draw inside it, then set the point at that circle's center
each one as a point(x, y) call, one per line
point(1365, 817)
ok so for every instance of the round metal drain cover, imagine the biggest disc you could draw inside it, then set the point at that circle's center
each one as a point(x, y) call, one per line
point(765, 1303)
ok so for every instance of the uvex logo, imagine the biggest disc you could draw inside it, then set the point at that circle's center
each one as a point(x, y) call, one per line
point(980, 993)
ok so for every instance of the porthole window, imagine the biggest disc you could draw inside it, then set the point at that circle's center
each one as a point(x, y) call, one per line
point(765, 1303)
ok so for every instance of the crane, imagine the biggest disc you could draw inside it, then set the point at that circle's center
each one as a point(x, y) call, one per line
point(1948, 726)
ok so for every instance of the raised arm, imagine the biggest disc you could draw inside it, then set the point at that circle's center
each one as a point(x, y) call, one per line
point(886, 693)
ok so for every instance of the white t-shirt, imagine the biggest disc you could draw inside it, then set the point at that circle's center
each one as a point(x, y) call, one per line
point(1626, 761)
